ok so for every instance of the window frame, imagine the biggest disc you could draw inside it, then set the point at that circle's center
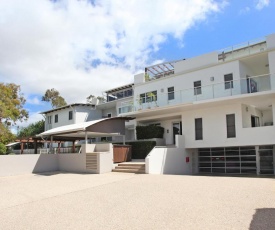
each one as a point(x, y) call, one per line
point(231, 133)
point(70, 115)
point(228, 84)
point(198, 129)
point(197, 88)
point(56, 118)
point(171, 93)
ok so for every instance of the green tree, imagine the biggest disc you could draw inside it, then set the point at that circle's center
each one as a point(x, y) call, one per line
point(53, 96)
point(11, 104)
point(31, 130)
point(3, 149)
point(11, 110)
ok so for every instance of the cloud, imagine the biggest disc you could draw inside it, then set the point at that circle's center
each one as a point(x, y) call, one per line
point(85, 47)
point(34, 100)
point(244, 10)
point(261, 4)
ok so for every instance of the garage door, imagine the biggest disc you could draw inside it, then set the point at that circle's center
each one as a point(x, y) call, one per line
point(229, 160)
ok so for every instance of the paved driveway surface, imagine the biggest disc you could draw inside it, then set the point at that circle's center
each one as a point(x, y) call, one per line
point(132, 201)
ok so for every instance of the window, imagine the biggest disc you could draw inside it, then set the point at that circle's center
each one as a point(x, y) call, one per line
point(230, 124)
point(148, 97)
point(255, 121)
point(49, 119)
point(171, 93)
point(198, 129)
point(109, 115)
point(56, 118)
point(228, 81)
point(70, 115)
point(197, 87)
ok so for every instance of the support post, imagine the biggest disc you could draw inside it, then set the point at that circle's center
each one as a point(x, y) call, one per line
point(86, 137)
point(51, 145)
point(22, 148)
point(35, 146)
point(73, 150)
point(123, 136)
point(59, 143)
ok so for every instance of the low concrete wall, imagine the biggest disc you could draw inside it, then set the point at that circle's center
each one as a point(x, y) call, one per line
point(22, 164)
point(72, 162)
point(169, 160)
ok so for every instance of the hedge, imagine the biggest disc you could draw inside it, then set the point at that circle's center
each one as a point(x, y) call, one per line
point(148, 132)
point(140, 149)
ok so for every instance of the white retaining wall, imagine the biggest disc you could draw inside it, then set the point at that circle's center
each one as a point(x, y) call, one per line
point(169, 160)
point(74, 162)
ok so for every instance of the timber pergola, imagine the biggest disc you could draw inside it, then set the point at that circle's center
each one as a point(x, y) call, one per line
point(106, 127)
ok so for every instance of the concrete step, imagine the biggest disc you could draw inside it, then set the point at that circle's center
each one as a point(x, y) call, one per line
point(130, 167)
point(129, 170)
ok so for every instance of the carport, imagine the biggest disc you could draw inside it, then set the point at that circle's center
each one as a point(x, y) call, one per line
point(107, 127)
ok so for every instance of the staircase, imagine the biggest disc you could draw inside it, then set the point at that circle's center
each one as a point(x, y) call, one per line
point(133, 167)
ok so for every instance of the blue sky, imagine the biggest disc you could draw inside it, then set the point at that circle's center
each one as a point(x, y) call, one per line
point(81, 48)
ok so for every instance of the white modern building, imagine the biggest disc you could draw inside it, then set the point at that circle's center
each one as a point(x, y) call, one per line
point(221, 104)
point(217, 110)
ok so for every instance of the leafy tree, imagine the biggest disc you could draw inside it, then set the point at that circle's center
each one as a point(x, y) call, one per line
point(53, 96)
point(31, 130)
point(11, 104)
point(2, 149)
point(11, 110)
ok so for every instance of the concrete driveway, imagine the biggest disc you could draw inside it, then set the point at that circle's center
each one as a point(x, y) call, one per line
point(132, 201)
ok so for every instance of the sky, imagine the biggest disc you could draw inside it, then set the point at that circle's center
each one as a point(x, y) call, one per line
point(85, 47)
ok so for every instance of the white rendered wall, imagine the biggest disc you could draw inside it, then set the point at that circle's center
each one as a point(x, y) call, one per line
point(196, 62)
point(169, 161)
point(214, 128)
point(186, 81)
point(25, 164)
point(271, 61)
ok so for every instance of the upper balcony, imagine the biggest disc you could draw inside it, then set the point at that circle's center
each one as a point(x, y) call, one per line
point(180, 66)
point(242, 50)
point(231, 88)
point(118, 93)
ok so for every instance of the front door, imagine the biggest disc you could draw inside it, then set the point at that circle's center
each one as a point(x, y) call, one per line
point(176, 130)
point(266, 160)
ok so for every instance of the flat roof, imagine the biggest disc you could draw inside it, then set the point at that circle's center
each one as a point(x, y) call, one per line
point(119, 88)
point(66, 106)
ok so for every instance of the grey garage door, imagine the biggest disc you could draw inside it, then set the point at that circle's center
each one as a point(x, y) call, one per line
point(229, 160)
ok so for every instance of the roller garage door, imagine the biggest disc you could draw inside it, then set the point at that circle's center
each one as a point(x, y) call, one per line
point(228, 160)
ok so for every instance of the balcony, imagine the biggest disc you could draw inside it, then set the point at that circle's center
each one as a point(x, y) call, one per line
point(241, 50)
point(241, 86)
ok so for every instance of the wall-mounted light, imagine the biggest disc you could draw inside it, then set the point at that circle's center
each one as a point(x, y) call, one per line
point(212, 78)
point(167, 130)
point(246, 109)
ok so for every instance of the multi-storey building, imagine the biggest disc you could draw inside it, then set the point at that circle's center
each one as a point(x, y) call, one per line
point(222, 103)
point(217, 110)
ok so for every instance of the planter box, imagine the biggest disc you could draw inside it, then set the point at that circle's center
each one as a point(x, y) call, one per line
point(122, 153)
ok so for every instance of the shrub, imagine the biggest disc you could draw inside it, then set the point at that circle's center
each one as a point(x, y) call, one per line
point(148, 132)
point(3, 149)
point(140, 149)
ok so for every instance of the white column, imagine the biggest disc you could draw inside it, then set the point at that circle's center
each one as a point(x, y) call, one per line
point(123, 136)
point(86, 137)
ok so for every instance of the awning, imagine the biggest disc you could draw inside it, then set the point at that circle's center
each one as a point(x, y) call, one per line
point(97, 128)
point(11, 144)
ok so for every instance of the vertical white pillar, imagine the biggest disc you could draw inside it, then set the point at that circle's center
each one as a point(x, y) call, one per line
point(123, 136)
point(86, 137)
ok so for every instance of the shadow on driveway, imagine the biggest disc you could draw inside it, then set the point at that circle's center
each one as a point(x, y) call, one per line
point(263, 219)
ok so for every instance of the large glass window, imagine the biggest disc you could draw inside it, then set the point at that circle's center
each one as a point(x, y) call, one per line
point(149, 97)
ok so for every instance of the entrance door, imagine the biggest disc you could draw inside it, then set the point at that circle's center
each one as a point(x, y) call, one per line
point(266, 160)
point(176, 130)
